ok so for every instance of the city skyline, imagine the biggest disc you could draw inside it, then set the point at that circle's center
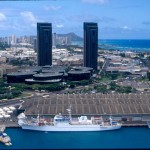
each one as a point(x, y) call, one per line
point(117, 19)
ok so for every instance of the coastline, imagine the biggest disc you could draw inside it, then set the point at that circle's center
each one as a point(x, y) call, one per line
point(139, 45)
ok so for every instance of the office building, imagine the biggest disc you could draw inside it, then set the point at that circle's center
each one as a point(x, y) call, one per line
point(35, 44)
point(11, 40)
point(90, 45)
point(44, 44)
point(54, 40)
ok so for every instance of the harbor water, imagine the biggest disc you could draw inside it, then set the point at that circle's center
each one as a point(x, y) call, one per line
point(122, 45)
point(126, 137)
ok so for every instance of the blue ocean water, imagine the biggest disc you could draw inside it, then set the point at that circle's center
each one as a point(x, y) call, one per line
point(123, 45)
point(126, 137)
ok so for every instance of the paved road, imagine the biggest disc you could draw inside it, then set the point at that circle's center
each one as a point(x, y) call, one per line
point(11, 103)
point(105, 65)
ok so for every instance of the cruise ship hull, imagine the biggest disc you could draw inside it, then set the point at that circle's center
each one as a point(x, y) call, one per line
point(70, 128)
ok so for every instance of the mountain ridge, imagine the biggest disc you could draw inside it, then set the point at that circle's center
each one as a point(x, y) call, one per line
point(71, 35)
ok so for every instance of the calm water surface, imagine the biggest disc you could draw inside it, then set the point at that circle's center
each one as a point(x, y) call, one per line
point(129, 137)
point(122, 45)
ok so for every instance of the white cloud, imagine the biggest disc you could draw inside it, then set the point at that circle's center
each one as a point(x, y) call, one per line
point(2, 17)
point(95, 1)
point(52, 8)
point(126, 28)
point(60, 26)
point(29, 18)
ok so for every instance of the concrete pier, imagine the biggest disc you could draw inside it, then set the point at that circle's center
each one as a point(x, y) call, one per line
point(9, 124)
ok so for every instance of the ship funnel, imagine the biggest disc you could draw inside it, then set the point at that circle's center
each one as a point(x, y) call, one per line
point(110, 118)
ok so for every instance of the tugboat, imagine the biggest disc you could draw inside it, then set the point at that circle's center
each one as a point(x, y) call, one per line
point(66, 123)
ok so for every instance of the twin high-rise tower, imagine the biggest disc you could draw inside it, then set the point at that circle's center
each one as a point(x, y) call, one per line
point(44, 41)
point(44, 44)
point(90, 45)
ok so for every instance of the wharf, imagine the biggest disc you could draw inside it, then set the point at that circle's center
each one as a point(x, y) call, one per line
point(9, 124)
point(134, 123)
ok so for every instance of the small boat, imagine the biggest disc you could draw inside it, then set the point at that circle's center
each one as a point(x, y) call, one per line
point(4, 138)
point(8, 144)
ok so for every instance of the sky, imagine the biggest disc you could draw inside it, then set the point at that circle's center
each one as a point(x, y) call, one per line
point(117, 19)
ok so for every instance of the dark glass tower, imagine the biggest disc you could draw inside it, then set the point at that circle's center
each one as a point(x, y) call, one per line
point(44, 44)
point(90, 44)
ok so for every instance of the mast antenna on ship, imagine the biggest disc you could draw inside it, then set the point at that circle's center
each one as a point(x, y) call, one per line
point(38, 115)
point(69, 112)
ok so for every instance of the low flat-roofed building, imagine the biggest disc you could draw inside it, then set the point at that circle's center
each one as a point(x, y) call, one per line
point(100, 59)
point(113, 57)
point(45, 78)
point(130, 54)
point(77, 75)
point(80, 73)
point(18, 77)
point(49, 74)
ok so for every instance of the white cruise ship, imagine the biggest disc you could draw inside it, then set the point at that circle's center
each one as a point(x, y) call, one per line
point(67, 123)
